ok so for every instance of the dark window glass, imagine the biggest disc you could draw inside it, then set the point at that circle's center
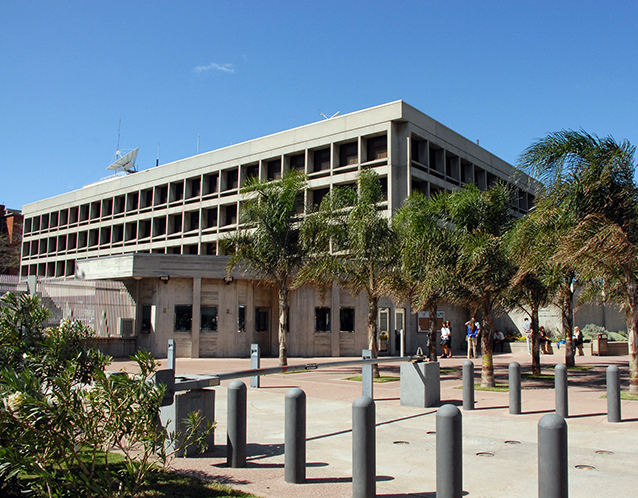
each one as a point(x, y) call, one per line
point(322, 319)
point(183, 317)
point(209, 318)
point(346, 319)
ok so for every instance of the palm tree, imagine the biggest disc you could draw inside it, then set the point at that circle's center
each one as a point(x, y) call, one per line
point(592, 178)
point(352, 241)
point(534, 284)
point(269, 243)
point(424, 272)
point(483, 269)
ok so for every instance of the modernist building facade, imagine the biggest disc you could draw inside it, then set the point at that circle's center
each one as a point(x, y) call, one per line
point(158, 231)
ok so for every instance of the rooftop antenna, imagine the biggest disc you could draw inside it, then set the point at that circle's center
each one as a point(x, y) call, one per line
point(197, 143)
point(329, 117)
point(124, 163)
point(157, 161)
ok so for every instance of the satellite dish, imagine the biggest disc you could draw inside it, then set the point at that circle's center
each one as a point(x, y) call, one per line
point(125, 163)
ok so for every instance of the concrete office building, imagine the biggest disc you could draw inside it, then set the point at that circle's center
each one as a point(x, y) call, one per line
point(157, 230)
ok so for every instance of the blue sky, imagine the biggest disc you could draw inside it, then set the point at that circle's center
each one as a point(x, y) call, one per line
point(504, 72)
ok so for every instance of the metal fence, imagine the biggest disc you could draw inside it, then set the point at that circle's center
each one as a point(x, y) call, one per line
point(102, 305)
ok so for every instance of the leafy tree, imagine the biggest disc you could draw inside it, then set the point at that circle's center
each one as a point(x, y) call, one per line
point(424, 273)
point(592, 179)
point(269, 245)
point(483, 269)
point(352, 241)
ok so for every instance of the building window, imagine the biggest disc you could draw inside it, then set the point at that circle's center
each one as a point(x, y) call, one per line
point(322, 319)
point(274, 169)
point(349, 154)
point(261, 320)
point(241, 319)
point(183, 317)
point(346, 319)
point(298, 162)
point(209, 318)
point(321, 160)
point(146, 320)
point(377, 148)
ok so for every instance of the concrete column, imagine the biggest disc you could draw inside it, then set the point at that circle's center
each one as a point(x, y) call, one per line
point(449, 452)
point(335, 339)
point(295, 437)
point(364, 448)
point(197, 316)
point(552, 457)
point(613, 394)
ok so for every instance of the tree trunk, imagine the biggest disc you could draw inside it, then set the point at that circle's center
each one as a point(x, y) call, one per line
point(632, 330)
point(487, 333)
point(432, 333)
point(283, 324)
point(373, 309)
point(536, 355)
point(568, 324)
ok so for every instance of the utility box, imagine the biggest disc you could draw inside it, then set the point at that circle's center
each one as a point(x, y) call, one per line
point(420, 384)
point(599, 344)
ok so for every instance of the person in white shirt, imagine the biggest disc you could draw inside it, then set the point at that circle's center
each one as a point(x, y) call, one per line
point(527, 330)
point(446, 340)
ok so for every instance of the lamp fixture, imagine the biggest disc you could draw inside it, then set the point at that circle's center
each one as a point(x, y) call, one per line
point(164, 278)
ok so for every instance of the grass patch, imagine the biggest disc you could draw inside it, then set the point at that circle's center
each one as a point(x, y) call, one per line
point(380, 380)
point(498, 388)
point(297, 372)
point(537, 377)
point(165, 484)
point(624, 395)
point(577, 368)
point(449, 370)
point(168, 484)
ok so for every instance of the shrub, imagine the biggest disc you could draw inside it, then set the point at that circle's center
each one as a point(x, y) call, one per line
point(62, 415)
point(590, 330)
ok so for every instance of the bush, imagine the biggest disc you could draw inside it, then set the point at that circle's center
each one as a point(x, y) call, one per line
point(62, 415)
point(590, 330)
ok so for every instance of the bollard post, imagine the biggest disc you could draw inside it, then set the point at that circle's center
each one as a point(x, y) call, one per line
point(515, 388)
point(236, 438)
point(295, 438)
point(560, 386)
point(255, 355)
point(449, 452)
point(367, 374)
point(468, 385)
point(364, 472)
point(552, 457)
point(613, 394)
point(170, 355)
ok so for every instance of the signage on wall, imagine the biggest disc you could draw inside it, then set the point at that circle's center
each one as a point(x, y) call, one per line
point(424, 320)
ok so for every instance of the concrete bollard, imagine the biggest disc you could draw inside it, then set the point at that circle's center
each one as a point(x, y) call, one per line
point(255, 357)
point(613, 394)
point(449, 452)
point(560, 386)
point(295, 439)
point(364, 471)
point(367, 374)
point(552, 457)
point(468, 385)
point(515, 388)
point(236, 439)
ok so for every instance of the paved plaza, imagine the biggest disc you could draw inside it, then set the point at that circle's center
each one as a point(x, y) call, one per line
point(406, 450)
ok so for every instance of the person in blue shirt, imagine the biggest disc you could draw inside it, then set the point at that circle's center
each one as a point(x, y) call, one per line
point(472, 335)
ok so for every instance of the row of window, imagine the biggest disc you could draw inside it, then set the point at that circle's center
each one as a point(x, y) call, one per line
point(211, 185)
point(183, 319)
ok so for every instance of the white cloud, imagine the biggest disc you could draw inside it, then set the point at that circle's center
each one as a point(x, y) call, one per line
point(226, 68)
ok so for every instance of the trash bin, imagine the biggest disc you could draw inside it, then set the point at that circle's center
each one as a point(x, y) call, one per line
point(599, 344)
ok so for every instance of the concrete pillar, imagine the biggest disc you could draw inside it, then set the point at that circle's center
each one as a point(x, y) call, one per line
point(197, 316)
point(420, 384)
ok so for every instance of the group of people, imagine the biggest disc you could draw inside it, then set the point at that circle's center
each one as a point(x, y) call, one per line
point(543, 335)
